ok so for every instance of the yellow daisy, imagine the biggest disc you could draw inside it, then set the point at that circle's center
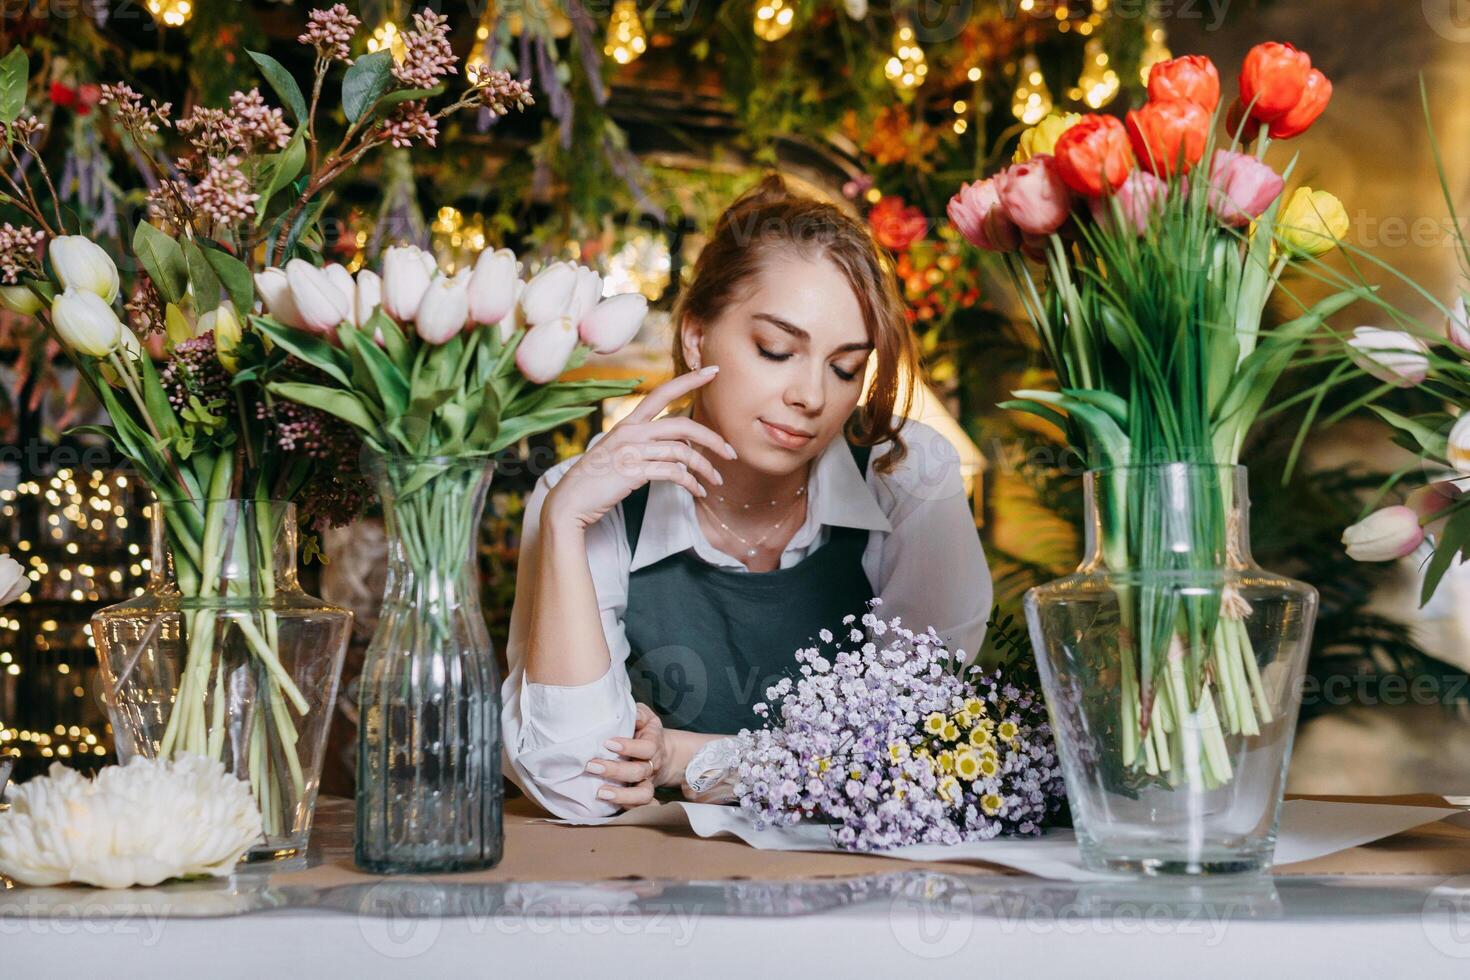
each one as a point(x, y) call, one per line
point(991, 804)
point(975, 707)
point(897, 750)
point(967, 765)
point(946, 761)
point(963, 719)
point(979, 737)
point(951, 731)
point(934, 724)
point(987, 765)
point(1007, 730)
point(949, 789)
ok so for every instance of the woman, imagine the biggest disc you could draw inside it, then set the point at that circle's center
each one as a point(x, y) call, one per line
point(668, 574)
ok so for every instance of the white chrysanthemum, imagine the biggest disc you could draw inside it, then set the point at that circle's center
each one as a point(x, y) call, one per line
point(138, 824)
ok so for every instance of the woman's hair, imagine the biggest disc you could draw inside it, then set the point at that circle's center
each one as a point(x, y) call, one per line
point(770, 220)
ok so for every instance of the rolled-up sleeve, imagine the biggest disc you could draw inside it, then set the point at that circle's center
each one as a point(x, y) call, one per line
point(931, 569)
point(551, 731)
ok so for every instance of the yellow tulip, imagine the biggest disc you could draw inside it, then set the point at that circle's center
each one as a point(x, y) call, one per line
point(1042, 138)
point(227, 333)
point(1311, 223)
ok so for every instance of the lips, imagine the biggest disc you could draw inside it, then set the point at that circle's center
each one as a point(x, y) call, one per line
point(786, 437)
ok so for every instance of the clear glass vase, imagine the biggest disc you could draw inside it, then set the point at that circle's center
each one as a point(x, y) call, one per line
point(223, 655)
point(429, 792)
point(1172, 666)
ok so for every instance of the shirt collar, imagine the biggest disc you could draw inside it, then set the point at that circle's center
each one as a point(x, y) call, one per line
point(839, 497)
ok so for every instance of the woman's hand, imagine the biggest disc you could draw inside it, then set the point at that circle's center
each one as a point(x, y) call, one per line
point(638, 449)
point(644, 764)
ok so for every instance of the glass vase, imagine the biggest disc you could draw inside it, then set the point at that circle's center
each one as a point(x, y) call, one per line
point(429, 792)
point(1172, 667)
point(224, 655)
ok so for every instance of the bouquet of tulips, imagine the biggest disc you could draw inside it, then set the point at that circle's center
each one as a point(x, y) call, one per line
point(1154, 246)
point(229, 185)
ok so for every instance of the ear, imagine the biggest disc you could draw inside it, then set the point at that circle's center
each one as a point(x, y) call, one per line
point(691, 337)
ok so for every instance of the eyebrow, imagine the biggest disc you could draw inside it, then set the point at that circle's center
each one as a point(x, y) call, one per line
point(801, 334)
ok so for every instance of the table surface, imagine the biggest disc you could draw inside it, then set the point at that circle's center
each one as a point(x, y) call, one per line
point(293, 918)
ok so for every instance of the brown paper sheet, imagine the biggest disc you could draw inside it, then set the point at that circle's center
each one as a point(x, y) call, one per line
point(538, 851)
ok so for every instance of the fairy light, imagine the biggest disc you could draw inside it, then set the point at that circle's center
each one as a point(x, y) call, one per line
point(774, 19)
point(478, 63)
point(1032, 99)
point(907, 66)
point(387, 37)
point(625, 37)
point(1154, 52)
point(171, 13)
point(1098, 84)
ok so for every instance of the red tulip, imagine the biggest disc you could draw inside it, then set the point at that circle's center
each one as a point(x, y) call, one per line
point(1092, 155)
point(1272, 79)
point(897, 225)
point(1192, 78)
point(977, 213)
point(1239, 125)
point(1299, 118)
point(63, 95)
point(1168, 136)
point(1034, 195)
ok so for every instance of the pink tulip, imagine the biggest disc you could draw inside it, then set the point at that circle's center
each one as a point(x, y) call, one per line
point(1457, 327)
point(511, 322)
point(405, 280)
point(543, 352)
point(613, 322)
point(549, 293)
point(976, 211)
point(320, 303)
point(1384, 535)
point(445, 309)
point(1034, 195)
point(1394, 356)
point(493, 285)
point(585, 294)
point(1241, 187)
point(1432, 500)
point(275, 295)
point(1139, 200)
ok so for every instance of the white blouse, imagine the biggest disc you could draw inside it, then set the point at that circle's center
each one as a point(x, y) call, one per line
point(923, 558)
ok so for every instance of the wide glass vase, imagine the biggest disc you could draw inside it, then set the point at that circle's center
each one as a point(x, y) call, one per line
point(1172, 667)
point(224, 655)
point(429, 792)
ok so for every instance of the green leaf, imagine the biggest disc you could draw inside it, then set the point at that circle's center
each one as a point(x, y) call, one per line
point(387, 102)
point(313, 350)
point(163, 260)
point(283, 82)
point(514, 430)
point(1454, 540)
point(284, 167)
point(365, 82)
point(202, 277)
point(235, 275)
point(570, 393)
point(1433, 441)
point(342, 404)
point(15, 73)
point(391, 385)
point(393, 340)
point(487, 420)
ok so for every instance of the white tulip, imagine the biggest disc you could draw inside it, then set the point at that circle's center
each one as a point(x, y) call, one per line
point(13, 580)
point(543, 352)
point(613, 322)
point(339, 276)
point(1384, 535)
point(511, 322)
point(1459, 445)
point(493, 285)
point(585, 294)
point(82, 264)
point(319, 301)
point(275, 295)
point(1457, 327)
point(86, 323)
point(444, 310)
point(549, 293)
point(367, 297)
point(138, 824)
point(405, 280)
point(20, 299)
point(1394, 356)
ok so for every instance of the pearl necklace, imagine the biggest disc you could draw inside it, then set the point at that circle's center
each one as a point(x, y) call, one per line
point(752, 547)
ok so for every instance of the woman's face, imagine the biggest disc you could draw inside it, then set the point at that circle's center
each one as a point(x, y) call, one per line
point(792, 351)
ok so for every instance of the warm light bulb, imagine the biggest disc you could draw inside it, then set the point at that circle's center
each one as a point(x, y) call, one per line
point(1032, 99)
point(1153, 53)
point(907, 66)
point(171, 13)
point(625, 38)
point(773, 19)
point(387, 37)
point(1098, 84)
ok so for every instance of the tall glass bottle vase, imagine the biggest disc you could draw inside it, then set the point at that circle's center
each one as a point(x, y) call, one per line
point(1172, 666)
point(223, 655)
point(429, 793)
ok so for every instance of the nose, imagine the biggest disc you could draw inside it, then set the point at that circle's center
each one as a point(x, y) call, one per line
point(807, 391)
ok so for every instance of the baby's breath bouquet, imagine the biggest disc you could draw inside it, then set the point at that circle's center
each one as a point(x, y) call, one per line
point(893, 741)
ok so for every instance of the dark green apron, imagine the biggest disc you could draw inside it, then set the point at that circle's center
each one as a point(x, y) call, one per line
point(706, 642)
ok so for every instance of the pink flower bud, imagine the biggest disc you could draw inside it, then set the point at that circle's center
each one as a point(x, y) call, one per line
point(1384, 535)
point(549, 293)
point(320, 303)
point(1034, 195)
point(613, 322)
point(405, 280)
point(493, 286)
point(1241, 187)
point(444, 310)
point(275, 295)
point(1457, 327)
point(977, 213)
point(1394, 356)
point(545, 349)
point(1140, 198)
point(1432, 500)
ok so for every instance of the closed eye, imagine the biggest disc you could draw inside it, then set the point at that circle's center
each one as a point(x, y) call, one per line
point(774, 356)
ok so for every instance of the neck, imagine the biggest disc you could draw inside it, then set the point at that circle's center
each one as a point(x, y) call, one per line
point(747, 485)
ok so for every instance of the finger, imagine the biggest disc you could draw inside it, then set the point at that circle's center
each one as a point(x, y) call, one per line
point(659, 398)
point(646, 715)
point(621, 771)
point(676, 473)
point(633, 748)
point(628, 796)
point(688, 455)
point(681, 429)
